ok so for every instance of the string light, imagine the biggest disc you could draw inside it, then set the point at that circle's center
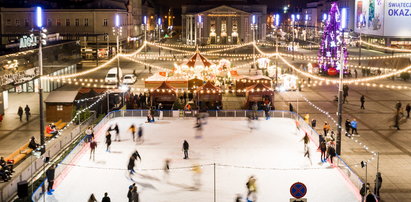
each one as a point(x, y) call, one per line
point(385, 48)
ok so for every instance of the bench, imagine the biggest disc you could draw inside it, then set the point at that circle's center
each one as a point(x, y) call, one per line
point(59, 125)
point(19, 154)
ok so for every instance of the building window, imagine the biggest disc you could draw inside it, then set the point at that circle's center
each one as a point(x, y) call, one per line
point(59, 107)
point(26, 22)
point(67, 22)
point(77, 22)
point(58, 22)
point(86, 22)
point(17, 23)
point(8, 22)
point(49, 22)
point(105, 22)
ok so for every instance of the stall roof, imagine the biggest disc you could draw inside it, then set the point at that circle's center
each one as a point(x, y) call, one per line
point(61, 97)
point(165, 86)
point(259, 86)
point(209, 86)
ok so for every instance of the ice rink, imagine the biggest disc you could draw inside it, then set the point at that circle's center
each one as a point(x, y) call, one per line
point(273, 153)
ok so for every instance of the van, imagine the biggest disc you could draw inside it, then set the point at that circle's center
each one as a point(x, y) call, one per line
point(111, 77)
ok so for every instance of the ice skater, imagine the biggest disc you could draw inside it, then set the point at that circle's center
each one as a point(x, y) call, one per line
point(185, 149)
point(140, 134)
point(108, 141)
point(116, 129)
point(132, 129)
point(331, 152)
point(131, 164)
point(93, 146)
point(251, 189)
point(323, 148)
point(199, 129)
point(50, 179)
point(197, 176)
point(166, 169)
point(306, 140)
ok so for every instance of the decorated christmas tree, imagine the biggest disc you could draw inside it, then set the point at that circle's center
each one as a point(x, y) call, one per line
point(329, 53)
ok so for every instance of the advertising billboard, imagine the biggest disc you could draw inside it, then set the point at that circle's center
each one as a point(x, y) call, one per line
point(391, 18)
point(369, 17)
point(397, 18)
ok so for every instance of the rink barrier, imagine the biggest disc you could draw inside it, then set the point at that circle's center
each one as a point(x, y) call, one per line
point(36, 163)
point(345, 170)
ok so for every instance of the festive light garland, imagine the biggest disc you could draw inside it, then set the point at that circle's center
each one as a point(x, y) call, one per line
point(374, 154)
point(91, 98)
point(384, 47)
point(383, 76)
point(376, 85)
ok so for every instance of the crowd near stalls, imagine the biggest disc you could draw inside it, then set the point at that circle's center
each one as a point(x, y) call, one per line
point(261, 94)
point(164, 94)
point(246, 81)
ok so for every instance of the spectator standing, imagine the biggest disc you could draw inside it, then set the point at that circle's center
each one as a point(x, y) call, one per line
point(347, 127)
point(362, 100)
point(20, 113)
point(93, 146)
point(408, 109)
point(354, 127)
point(185, 149)
point(313, 123)
point(27, 111)
point(92, 198)
point(326, 128)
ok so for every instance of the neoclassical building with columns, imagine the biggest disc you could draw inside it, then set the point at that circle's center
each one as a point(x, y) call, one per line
point(208, 24)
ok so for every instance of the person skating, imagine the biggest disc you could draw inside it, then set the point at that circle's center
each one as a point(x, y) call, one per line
point(134, 195)
point(89, 134)
point(132, 130)
point(267, 108)
point(196, 176)
point(199, 129)
point(185, 149)
point(354, 127)
point(347, 127)
point(251, 189)
point(130, 192)
point(93, 146)
point(306, 140)
point(108, 141)
point(117, 130)
point(166, 169)
point(408, 110)
point(331, 152)
point(27, 111)
point(131, 164)
point(106, 198)
point(50, 179)
point(323, 148)
point(362, 100)
point(20, 113)
point(140, 134)
point(326, 128)
point(92, 198)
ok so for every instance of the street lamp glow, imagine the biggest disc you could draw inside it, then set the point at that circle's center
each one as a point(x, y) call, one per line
point(292, 18)
point(277, 19)
point(159, 21)
point(39, 16)
point(200, 20)
point(253, 19)
point(298, 16)
point(361, 19)
point(117, 20)
point(325, 17)
point(343, 18)
point(306, 17)
point(145, 20)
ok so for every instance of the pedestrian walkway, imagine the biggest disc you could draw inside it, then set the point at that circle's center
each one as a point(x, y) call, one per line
point(13, 132)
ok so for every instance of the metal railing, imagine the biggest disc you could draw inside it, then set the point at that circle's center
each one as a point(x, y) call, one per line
point(54, 147)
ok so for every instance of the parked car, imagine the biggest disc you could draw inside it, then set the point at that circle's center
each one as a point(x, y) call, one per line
point(129, 79)
point(111, 77)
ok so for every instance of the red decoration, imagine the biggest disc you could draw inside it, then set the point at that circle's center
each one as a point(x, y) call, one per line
point(332, 71)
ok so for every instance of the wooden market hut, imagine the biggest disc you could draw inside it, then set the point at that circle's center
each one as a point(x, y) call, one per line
point(194, 83)
point(164, 94)
point(209, 96)
point(259, 92)
point(245, 82)
point(60, 105)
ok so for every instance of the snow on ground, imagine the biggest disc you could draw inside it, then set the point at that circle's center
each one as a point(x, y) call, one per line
point(273, 154)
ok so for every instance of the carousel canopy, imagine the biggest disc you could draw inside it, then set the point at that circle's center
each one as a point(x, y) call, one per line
point(198, 60)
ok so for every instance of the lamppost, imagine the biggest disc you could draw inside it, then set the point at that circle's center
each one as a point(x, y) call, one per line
point(293, 32)
point(254, 27)
point(340, 85)
point(276, 25)
point(159, 29)
point(359, 51)
point(144, 27)
point(117, 31)
point(200, 26)
point(41, 41)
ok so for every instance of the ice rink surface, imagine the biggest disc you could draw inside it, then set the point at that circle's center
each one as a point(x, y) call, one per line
point(273, 153)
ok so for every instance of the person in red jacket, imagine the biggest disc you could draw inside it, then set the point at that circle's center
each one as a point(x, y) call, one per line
point(50, 130)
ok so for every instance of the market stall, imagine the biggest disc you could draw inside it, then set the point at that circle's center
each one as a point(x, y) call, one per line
point(209, 96)
point(259, 93)
point(164, 94)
